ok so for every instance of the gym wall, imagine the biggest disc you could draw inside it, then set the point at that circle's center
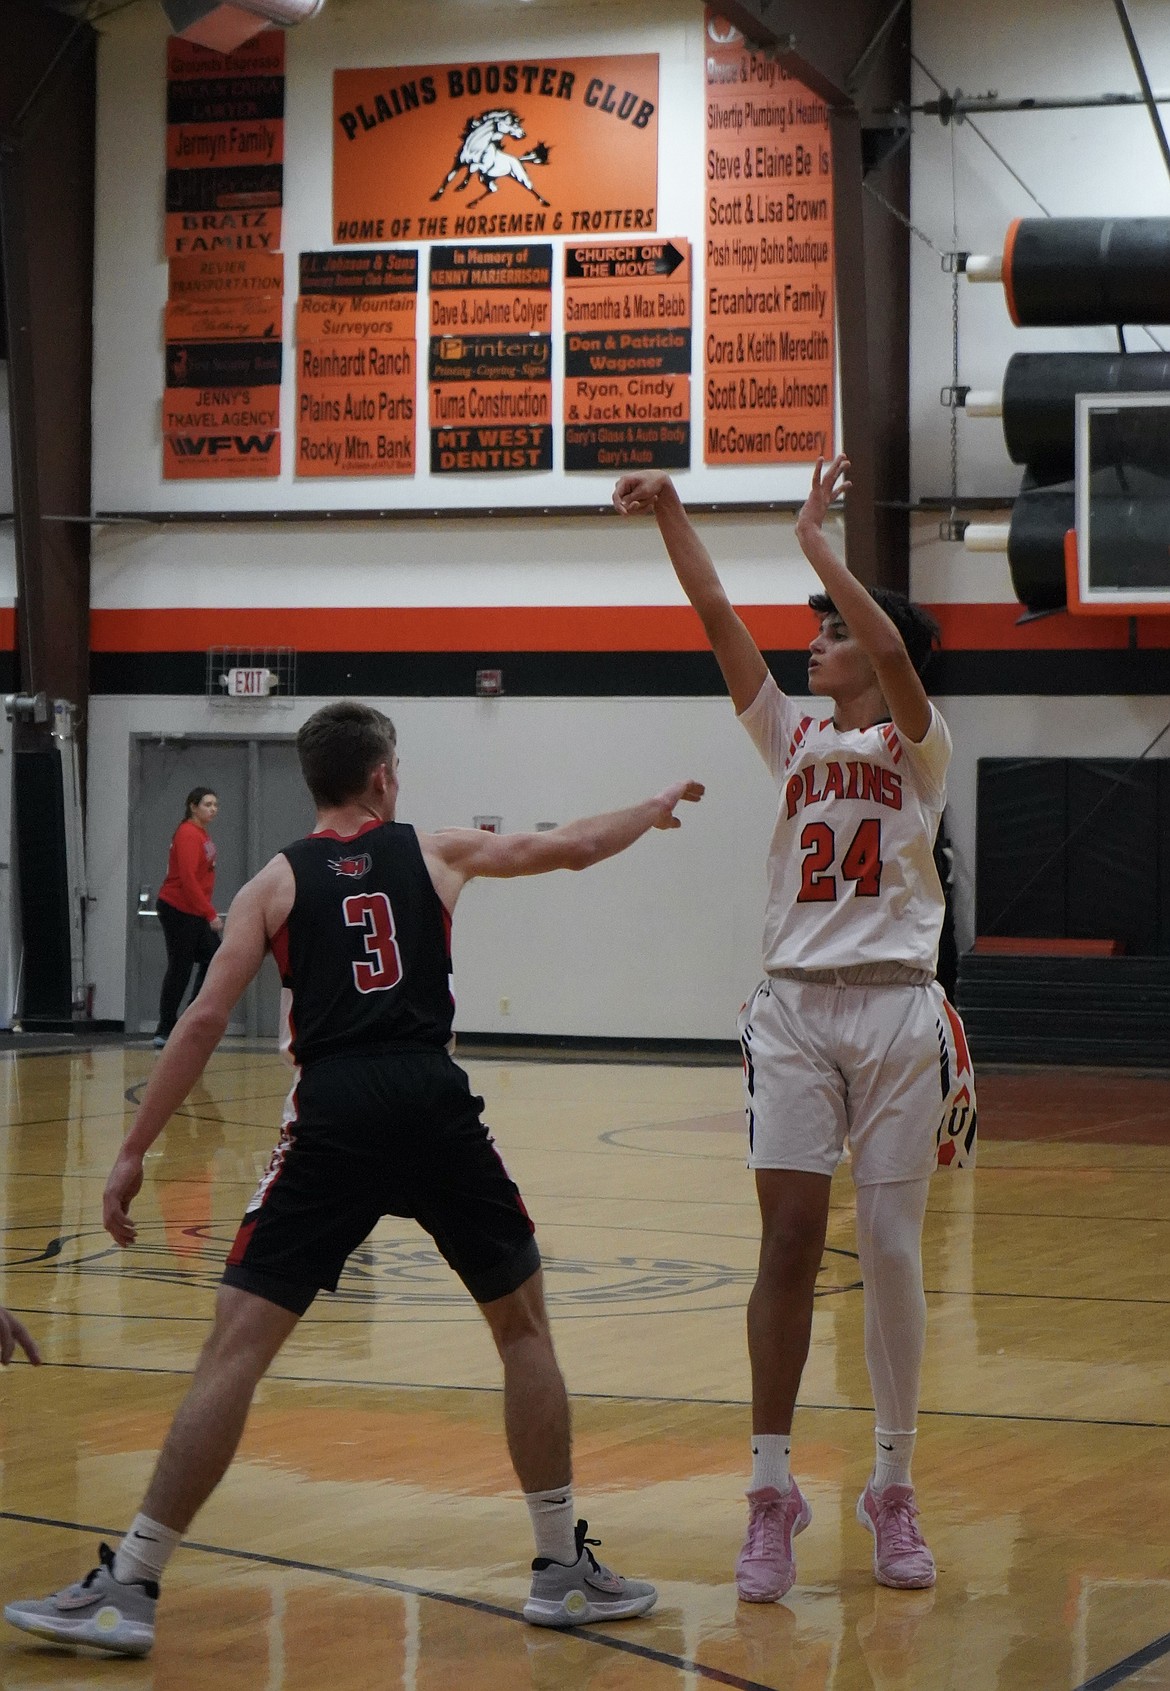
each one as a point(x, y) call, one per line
point(663, 942)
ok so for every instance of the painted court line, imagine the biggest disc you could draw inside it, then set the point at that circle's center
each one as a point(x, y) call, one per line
point(476, 1605)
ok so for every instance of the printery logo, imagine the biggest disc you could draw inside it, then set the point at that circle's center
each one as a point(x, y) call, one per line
point(352, 868)
point(213, 445)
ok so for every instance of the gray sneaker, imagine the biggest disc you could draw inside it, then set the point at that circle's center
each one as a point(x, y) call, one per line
point(99, 1611)
point(574, 1594)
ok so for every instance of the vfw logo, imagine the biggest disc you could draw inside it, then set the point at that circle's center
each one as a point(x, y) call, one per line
point(214, 445)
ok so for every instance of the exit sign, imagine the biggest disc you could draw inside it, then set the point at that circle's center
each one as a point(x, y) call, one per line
point(249, 683)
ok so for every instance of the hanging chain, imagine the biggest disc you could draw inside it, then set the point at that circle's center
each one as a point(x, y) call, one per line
point(954, 339)
point(902, 219)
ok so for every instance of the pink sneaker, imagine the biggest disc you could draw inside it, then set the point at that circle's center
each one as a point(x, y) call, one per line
point(765, 1568)
point(900, 1554)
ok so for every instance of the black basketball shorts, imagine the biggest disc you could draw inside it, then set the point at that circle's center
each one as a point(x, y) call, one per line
point(393, 1133)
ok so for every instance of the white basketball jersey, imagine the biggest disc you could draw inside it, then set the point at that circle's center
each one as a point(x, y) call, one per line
point(851, 875)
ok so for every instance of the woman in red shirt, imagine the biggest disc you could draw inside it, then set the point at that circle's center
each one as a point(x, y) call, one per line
point(190, 924)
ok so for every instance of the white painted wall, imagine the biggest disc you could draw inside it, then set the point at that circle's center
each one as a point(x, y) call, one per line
point(665, 941)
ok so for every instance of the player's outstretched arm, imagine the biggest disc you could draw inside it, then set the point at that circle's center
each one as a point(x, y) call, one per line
point(256, 911)
point(735, 651)
point(456, 855)
point(867, 622)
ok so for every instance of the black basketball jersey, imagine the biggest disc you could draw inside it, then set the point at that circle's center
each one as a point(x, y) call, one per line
point(366, 948)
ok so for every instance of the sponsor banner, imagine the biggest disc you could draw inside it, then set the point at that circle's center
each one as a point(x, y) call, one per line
point(457, 404)
point(768, 343)
point(220, 410)
point(336, 451)
point(225, 99)
point(229, 187)
point(329, 317)
point(221, 455)
point(262, 56)
point(195, 233)
point(490, 362)
point(506, 358)
point(627, 446)
point(490, 449)
point(224, 190)
point(365, 273)
point(628, 352)
point(496, 148)
point(226, 321)
point(246, 278)
point(357, 364)
point(627, 388)
point(375, 361)
point(218, 364)
point(199, 145)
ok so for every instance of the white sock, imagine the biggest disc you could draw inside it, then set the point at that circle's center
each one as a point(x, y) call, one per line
point(553, 1523)
point(145, 1550)
point(770, 1454)
point(894, 1453)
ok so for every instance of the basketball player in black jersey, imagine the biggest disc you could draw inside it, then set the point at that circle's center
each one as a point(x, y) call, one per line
point(380, 1122)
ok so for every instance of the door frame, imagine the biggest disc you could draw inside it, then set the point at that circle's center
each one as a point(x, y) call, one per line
point(135, 878)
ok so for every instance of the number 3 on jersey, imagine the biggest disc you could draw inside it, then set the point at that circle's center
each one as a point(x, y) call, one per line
point(371, 912)
point(862, 863)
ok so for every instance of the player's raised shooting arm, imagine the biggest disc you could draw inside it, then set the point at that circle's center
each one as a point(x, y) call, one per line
point(864, 617)
point(736, 653)
point(456, 855)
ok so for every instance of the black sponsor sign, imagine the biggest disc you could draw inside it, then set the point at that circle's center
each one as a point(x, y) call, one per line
point(504, 358)
point(471, 268)
point(225, 187)
point(216, 364)
point(476, 449)
point(622, 261)
point(225, 99)
point(628, 352)
point(627, 446)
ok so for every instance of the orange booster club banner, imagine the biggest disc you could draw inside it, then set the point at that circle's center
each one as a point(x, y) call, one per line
point(504, 148)
point(768, 341)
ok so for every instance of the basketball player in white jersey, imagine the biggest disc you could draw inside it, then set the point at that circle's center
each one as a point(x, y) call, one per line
point(849, 1035)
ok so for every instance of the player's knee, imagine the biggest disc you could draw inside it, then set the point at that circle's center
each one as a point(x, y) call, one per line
point(789, 1250)
point(520, 1317)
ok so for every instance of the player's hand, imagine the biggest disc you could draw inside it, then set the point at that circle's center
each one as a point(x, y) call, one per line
point(13, 1333)
point(689, 792)
point(216, 924)
point(829, 482)
point(639, 492)
point(122, 1188)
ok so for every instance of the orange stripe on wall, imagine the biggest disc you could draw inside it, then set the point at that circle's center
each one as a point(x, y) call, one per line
point(575, 628)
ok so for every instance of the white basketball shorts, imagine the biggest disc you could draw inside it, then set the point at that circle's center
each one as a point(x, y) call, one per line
point(884, 1066)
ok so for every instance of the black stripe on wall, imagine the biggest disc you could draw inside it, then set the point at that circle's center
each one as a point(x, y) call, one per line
point(636, 674)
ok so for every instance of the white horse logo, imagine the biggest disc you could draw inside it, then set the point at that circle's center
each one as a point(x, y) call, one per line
point(481, 154)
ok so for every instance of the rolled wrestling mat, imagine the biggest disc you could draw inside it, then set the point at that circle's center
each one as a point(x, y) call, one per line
point(1039, 409)
point(1081, 270)
point(1130, 536)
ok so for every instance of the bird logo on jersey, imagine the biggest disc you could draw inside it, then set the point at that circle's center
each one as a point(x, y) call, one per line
point(353, 868)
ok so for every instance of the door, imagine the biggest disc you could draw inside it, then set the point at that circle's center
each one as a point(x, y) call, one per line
point(262, 805)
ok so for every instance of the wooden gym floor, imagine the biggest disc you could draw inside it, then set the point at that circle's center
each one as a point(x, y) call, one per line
point(370, 1535)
